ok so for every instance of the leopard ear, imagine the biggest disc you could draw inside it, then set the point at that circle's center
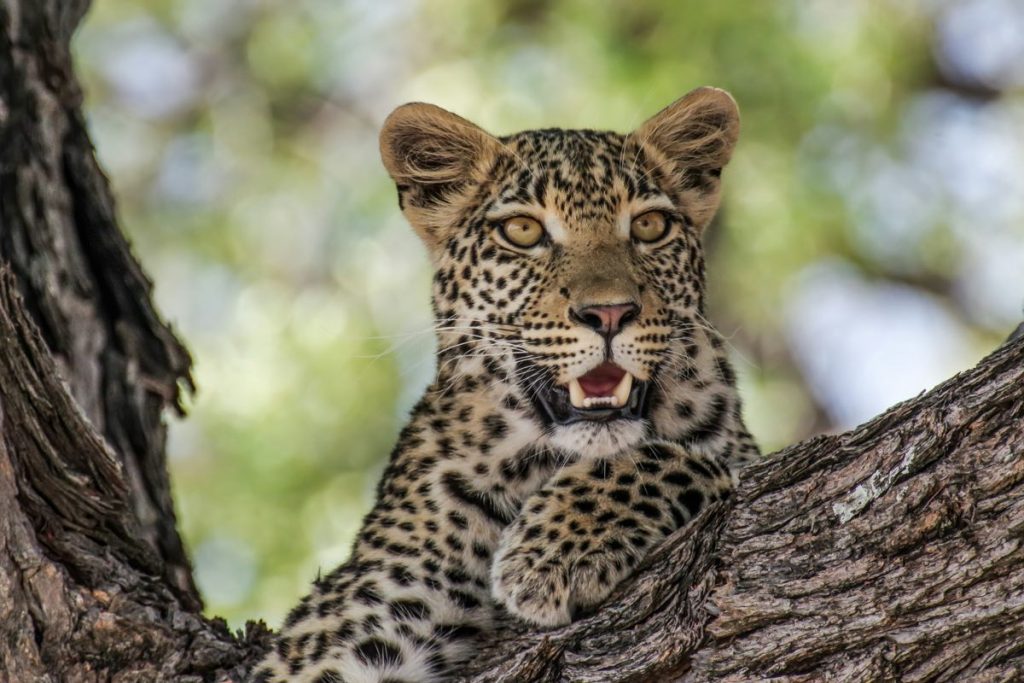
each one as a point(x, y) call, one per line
point(433, 156)
point(690, 141)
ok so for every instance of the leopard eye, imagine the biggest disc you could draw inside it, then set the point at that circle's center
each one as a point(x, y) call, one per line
point(649, 227)
point(522, 231)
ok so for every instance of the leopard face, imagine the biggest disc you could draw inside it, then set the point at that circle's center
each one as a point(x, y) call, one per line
point(568, 263)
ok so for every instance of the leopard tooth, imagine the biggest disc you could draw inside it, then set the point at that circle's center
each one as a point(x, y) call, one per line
point(621, 393)
point(577, 396)
point(599, 402)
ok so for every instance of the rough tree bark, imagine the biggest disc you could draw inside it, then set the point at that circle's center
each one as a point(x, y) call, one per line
point(94, 580)
point(892, 552)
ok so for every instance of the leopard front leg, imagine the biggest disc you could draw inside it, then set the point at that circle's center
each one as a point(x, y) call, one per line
point(585, 530)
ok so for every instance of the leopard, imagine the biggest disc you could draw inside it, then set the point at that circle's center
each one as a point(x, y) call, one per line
point(582, 410)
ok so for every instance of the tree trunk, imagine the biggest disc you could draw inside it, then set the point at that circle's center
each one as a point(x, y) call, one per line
point(94, 581)
point(892, 552)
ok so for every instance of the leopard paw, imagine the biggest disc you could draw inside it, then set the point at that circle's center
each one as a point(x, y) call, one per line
point(594, 575)
point(531, 585)
point(550, 584)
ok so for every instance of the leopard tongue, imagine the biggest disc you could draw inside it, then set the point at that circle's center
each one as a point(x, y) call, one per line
point(607, 386)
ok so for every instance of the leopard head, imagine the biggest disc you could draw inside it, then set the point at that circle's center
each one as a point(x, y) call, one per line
point(568, 263)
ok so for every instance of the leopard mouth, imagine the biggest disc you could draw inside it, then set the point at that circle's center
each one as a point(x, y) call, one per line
point(604, 394)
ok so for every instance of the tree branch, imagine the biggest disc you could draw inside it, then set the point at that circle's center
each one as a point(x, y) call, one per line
point(893, 551)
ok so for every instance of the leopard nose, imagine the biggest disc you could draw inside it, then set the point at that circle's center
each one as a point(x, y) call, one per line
point(606, 320)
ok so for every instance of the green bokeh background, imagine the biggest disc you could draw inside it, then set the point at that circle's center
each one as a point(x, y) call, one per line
point(869, 246)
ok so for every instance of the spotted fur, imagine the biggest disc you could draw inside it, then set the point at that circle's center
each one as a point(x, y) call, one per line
point(489, 506)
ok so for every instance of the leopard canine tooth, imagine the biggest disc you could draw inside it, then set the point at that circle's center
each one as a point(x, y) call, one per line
point(577, 396)
point(621, 392)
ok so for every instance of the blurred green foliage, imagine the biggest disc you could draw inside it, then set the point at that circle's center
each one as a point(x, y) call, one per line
point(875, 177)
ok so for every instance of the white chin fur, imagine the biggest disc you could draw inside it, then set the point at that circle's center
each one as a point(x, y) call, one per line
point(597, 439)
